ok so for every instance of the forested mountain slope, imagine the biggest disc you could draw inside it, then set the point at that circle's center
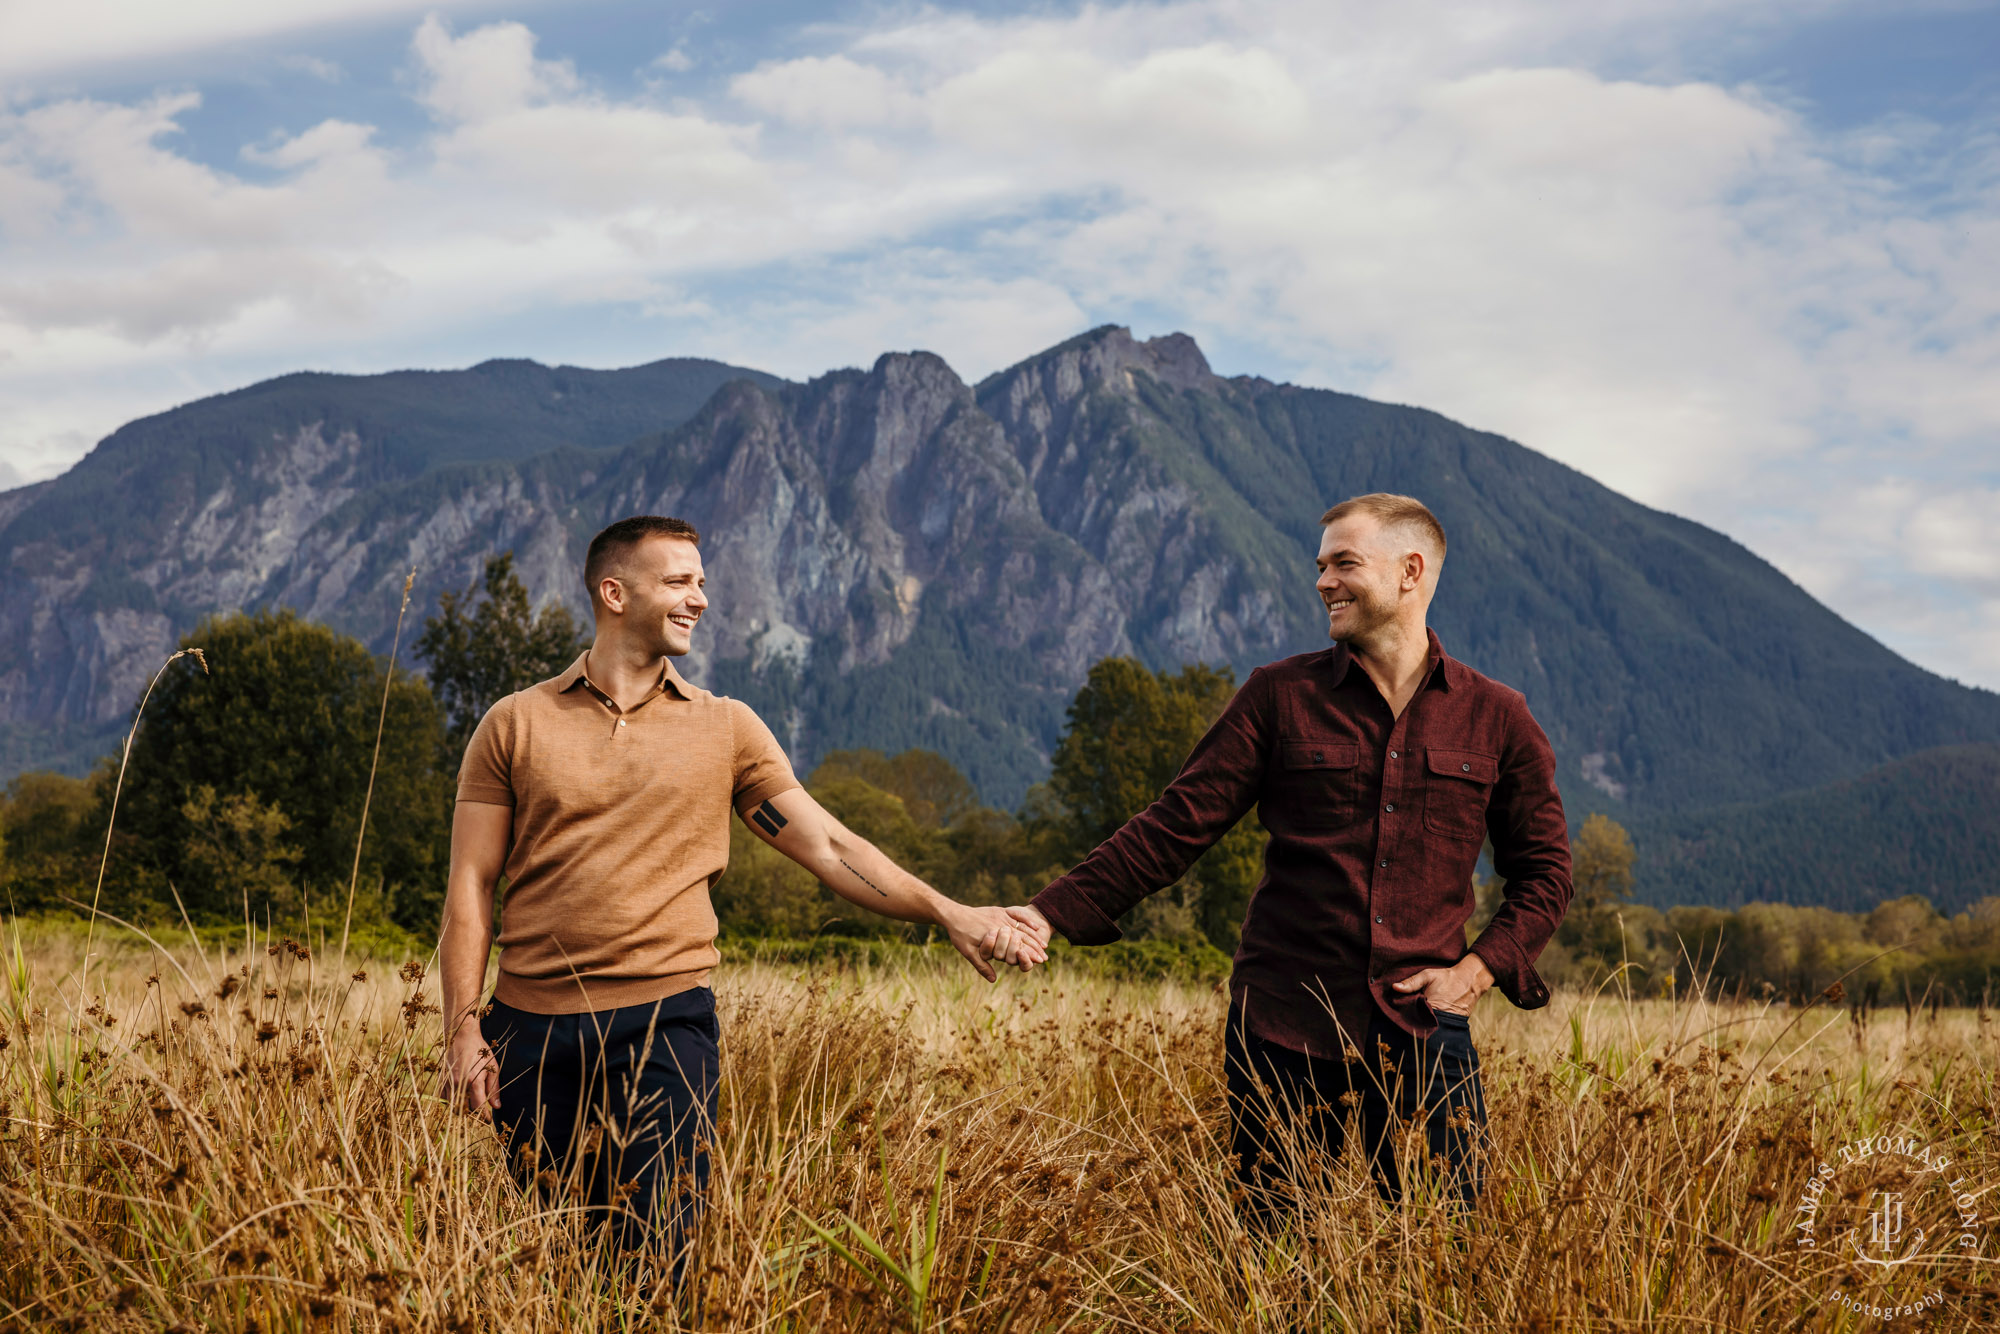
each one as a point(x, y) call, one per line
point(898, 558)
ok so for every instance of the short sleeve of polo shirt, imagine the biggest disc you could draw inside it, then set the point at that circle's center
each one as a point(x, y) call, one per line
point(486, 774)
point(761, 769)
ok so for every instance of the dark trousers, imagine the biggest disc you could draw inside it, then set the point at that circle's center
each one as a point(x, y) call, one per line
point(1398, 1079)
point(613, 1109)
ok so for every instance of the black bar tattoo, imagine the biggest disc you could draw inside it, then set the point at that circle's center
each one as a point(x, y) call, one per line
point(865, 880)
point(768, 819)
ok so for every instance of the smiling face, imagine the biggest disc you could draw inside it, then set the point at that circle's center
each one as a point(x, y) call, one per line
point(1371, 576)
point(655, 589)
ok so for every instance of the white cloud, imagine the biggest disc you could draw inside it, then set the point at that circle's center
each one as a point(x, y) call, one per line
point(831, 92)
point(40, 37)
point(850, 315)
point(1685, 289)
point(328, 141)
point(1210, 106)
point(325, 71)
point(487, 73)
point(1917, 560)
point(1956, 536)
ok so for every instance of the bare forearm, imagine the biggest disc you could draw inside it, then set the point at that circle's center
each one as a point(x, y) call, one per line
point(858, 871)
point(463, 947)
point(802, 829)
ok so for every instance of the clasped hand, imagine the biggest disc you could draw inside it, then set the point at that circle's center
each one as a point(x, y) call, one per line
point(989, 935)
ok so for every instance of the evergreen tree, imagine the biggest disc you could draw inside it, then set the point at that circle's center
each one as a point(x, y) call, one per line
point(481, 650)
point(1130, 731)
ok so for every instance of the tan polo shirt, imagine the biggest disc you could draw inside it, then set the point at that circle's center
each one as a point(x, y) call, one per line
point(621, 828)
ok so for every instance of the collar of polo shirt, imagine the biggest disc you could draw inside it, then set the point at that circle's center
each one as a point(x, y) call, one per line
point(669, 680)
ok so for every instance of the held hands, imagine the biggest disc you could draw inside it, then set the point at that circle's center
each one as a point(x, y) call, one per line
point(1029, 918)
point(471, 1075)
point(983, 934)
point(1452, 989)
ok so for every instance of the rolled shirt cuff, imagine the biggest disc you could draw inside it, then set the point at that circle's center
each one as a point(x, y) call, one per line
point(1512, 971)
point(1071, 912)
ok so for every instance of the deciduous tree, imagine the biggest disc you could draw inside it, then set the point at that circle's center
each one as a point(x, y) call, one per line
point(1594, 932)
point(261, 765)
point(934, 793)
point(53, 831)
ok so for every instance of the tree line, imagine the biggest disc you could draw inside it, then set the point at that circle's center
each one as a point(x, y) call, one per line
point(1902, 951)
point(242, 796)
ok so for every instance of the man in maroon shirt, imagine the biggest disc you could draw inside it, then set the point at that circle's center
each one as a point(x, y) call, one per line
point(1378, 766)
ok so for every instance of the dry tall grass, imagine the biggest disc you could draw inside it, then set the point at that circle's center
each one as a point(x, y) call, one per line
point(241, 1138)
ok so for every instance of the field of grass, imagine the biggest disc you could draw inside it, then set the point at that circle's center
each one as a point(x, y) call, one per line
point(238, 1135)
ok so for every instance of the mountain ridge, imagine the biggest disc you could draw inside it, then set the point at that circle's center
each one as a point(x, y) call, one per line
point(901, 558)
point(1926, 823)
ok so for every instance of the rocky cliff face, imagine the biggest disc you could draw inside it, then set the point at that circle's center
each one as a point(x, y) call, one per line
point(253, 498)
point(897, 558)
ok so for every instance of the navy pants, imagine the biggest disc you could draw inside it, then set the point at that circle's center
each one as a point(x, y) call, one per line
point(1398, 1079)
point(613, 1109)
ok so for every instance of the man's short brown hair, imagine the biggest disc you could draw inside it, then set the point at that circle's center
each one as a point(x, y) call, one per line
point(609, 546)
point(1393, 511)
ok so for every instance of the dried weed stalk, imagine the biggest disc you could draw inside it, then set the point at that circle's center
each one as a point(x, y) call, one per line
point(906, 1150)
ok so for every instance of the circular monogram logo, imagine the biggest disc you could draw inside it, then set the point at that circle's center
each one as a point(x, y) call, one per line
point(1885, 1222)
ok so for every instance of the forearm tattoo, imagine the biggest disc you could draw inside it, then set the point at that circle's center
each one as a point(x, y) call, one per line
point(768, 819)
point(864, 879)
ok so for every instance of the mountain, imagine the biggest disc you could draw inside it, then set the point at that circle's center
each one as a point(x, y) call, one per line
point(1926, 824)
point(196, 509)
point(899, 558)
point(1671, 667)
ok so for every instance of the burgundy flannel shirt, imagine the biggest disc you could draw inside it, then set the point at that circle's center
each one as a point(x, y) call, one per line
point(1375, 829)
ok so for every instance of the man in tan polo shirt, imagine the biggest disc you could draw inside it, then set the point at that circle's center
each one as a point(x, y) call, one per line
point(604, 797)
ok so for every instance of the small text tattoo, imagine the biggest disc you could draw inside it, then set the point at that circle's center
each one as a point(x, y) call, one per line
point(865, 880)
point(768, 819)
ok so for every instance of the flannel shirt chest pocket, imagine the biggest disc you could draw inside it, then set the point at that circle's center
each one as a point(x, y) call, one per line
point(1458, 784)
point(1320, 782)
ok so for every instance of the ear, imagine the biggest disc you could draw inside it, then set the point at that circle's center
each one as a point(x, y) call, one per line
point(611, 594)
point(1413, 571)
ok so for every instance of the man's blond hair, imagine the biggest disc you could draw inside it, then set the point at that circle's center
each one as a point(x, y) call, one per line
point(1394, 512)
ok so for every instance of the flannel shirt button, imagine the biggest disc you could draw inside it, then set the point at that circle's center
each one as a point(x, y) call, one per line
point(1390, 807)
point(1392, 754)
point(1378, 921)
point(1385, 866)
point(1466, 767)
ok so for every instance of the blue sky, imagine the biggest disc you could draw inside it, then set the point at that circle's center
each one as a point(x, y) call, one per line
point(1738, 260)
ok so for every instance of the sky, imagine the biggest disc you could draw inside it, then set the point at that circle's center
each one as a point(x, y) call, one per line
point(1737, 260)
